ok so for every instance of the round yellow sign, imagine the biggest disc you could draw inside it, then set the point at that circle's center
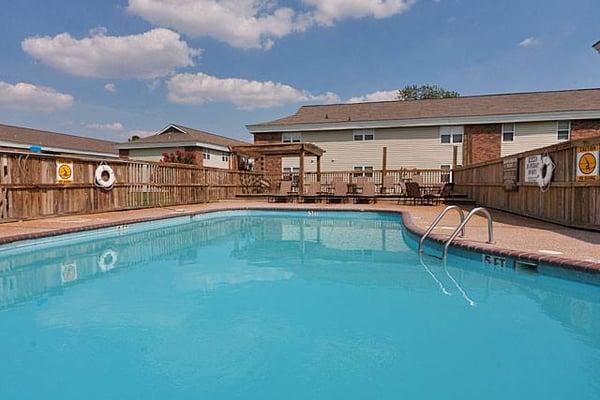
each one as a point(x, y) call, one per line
point(65, 172)
point(587, 163)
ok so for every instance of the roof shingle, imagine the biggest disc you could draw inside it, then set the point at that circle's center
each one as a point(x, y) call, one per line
point(190, 134)
point(467, 106)
point(28, 136)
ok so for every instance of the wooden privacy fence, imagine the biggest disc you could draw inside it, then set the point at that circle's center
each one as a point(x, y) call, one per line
point(29, 187)
point(566, 201)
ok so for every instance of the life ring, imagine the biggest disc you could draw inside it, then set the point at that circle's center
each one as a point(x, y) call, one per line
point(545, 172)
point(105, 183)
point(107, 260)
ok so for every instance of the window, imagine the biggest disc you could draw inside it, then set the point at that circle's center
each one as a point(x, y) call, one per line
point(451, 134)
point(508, 132)
point(206, 155)
point(292, 170)
point(364, 134)
point(563, 130)
point(363, 170)
point(225, 157)
point(291, 137)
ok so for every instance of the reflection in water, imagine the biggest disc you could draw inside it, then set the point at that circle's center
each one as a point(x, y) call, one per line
point(235, 303)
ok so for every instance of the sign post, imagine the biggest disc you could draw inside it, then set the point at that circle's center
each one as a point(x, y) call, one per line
point(587, 163)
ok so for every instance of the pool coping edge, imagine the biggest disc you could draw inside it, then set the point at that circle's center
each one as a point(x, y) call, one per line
point(407, 220)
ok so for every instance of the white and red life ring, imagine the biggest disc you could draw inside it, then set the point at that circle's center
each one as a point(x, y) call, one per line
point(100, 178)
point(545, 173)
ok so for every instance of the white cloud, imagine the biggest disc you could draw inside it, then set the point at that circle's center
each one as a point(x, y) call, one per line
point(384, 95)
point(112, 127)
point(529, 42)
point(26, 96)
point(245, 94)
point(256, 23)
point(148, 55)
point(241, 23)
point(110, 87)
point(328, 11)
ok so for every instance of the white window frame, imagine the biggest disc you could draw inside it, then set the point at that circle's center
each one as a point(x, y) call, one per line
point(206, 155)
point(361, 135)
point(514, 132)
point(363, 170)
point(225, 157)
point(451, 132)
point(558, 130)
point(291, 137)
point(291, 170)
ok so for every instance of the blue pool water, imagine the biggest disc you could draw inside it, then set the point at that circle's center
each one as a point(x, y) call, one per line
point(285, 305)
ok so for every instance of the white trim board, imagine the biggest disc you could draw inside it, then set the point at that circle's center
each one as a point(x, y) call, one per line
point(417, 122)
point(166, 145)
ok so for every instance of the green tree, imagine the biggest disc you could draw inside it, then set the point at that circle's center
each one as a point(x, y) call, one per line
point(422, 92)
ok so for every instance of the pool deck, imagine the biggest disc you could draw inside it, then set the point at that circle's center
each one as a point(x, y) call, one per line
point(515, 236)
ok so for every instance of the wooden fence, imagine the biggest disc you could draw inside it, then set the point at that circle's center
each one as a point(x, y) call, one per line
point(29, 188)
point(426, 177)
point(566, 202)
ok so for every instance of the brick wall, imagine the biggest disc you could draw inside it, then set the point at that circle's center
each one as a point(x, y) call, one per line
point(482, 143)
point(270, 164)
point(585, 129)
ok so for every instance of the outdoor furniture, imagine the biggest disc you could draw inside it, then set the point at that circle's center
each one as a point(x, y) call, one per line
point(414, 193)
point(340, 192)
point(313, 193)
point(388, 185)
point(285, 193)
point(367, 194)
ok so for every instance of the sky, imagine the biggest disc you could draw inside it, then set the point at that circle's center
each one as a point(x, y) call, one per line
point(113, 69)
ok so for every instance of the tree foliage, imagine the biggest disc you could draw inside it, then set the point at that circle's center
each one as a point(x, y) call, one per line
point(179, 157)
point(422, 92)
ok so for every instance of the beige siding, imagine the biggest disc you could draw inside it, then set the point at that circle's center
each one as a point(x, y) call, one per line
point(417, 147)
point(216, 160)
point(150, 154)
point(216, 157)
point(529, 136)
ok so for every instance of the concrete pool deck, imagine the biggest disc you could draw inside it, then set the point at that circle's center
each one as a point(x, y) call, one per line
point(515, 236)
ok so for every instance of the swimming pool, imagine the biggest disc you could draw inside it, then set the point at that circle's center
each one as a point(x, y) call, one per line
point(295, 305)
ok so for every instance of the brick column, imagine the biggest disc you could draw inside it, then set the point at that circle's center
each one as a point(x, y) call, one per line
point(585, 129)
point(271, 165)
point(482, 143)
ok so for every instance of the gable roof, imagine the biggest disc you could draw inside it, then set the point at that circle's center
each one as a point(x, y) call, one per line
point(581, 100)
point(16, 136)
point(180, 135)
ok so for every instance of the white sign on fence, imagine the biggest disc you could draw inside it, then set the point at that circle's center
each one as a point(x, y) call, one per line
point(532, 168)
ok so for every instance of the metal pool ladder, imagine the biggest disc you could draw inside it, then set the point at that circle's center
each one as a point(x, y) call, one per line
point(437, 221)
point(460, 230)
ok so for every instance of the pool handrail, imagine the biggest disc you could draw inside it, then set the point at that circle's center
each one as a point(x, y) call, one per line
point(437, 220)
point(477, 210)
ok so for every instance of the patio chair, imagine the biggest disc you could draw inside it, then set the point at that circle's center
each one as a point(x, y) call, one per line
point(413, 192)
point(284, 195)
point(313, 193)
point(388, 185)
point(367, 194)
point(340, 192)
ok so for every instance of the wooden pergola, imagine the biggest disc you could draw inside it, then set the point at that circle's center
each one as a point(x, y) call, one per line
point(299, 150)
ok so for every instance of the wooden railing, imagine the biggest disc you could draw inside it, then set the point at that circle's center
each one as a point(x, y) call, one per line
point(29, 188)
point(566, 201)
point(425, 177)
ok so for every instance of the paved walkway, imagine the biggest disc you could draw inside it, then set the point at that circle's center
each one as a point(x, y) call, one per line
point(513, 233)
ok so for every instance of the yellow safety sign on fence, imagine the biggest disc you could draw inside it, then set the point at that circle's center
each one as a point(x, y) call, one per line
point(64, 172)
point(587, 163)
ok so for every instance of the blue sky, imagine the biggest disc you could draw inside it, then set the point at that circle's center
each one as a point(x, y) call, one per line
point(109, 69)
